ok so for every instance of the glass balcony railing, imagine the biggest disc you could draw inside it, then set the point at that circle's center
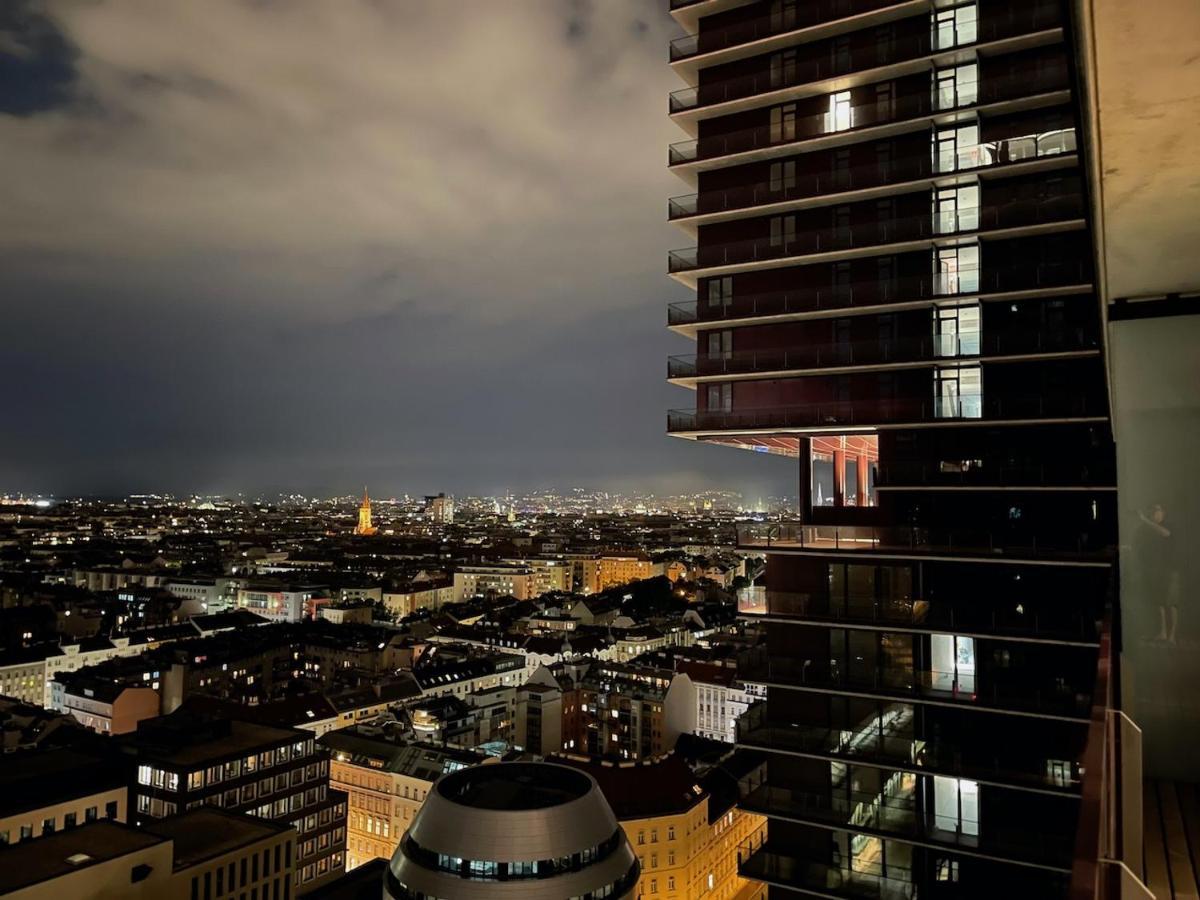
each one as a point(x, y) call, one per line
point(787, 131)
point(925, 226)
point(800, 70)
point(875, 412)
point(904, 539)
point(997, 473)
point(966, 617)
point(1051, 698)
point(872, 175)
point(874, 292)
point(901, 816)
point(812, 12)
point(756, 731)
point(764, 861)
point(878, 352)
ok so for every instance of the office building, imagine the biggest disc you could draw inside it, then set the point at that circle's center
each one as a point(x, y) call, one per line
point(185, 761)
point(439, 509)
point(508, 830)
point(893, 266)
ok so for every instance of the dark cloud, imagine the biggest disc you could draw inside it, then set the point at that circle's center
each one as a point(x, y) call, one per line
point(37, 62)
point(299, 245)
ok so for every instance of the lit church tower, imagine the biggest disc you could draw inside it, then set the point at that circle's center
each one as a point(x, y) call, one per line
point(364, 526)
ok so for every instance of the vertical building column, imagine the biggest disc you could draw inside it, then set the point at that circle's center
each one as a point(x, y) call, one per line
point(862, 480)
point(839, 476)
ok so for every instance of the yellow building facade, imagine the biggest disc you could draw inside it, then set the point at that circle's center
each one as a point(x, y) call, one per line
point(686, 839)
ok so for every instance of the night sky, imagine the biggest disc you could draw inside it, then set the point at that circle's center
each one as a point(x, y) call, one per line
point(303, 245)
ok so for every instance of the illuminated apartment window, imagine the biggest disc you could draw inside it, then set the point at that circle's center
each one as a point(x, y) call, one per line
point(840, 116)
point(956, 270)
point(956, 148)
point(956, 209)
point(956, 86)
point(955, 27)
point(956, 329)
point(958, 392)
point(956, 805)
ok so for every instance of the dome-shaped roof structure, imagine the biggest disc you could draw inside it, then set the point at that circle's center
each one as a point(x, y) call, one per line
point(528, 830)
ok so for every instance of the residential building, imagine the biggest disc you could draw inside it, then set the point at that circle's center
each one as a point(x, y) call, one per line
point(386, 779)
point(501, 580)
point(686, 839)
point(513, 830)
point(420, 594)
point(439, 509)
point(721, 698)
point(202, 853)
point(103, 705)
point(895, 289)
point(625, 711)
point(185, 761)
point(613, 571)
point(282, 602)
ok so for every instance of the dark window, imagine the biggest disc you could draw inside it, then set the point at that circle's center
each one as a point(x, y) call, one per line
point(110, 809)
point(139, 872)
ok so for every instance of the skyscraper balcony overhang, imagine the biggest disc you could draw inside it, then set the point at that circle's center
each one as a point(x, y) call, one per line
point(817, 77)
point(899, 234)
point(996, 95)
point(871, 297)
point(1026, 155)
point(803, 23)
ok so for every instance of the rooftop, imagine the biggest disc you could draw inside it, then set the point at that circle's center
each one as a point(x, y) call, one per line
point(32, 862)
point(514, 786)
point(206, 833)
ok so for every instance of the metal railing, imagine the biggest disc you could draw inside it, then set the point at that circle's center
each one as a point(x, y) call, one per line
point(903, 817)
point(1054, 698)
point(874, 292)
point(877, 412)
point(789, 535)
point(878, 352)
point(992, 89)
point(1108, 843)
point(869, 175)
point(903, 48)
point(755, 730)
point(806, 241)
point(764, 862)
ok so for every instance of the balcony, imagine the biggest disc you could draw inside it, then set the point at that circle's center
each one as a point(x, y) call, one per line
point(785, 536)
point(916, 48)
point(878, 353)
point(868, 180)
point(896, 293)
point(764, 862)
point(1013, 91)
point(871, 747)
point(798, 18)
point(1050, 700)
point(967, 618)
point(901, 817)
point(839, 415)
point(1057, 474)
point(1011, 218)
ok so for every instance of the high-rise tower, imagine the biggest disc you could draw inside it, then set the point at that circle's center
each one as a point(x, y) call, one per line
point(894, 275)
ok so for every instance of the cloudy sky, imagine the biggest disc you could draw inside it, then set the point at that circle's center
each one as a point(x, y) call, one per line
point(270, 245)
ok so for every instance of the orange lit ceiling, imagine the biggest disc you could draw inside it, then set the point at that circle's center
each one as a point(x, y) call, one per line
point(788, 445)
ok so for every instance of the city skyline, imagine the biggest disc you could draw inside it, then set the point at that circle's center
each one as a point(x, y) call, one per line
point(390, 288)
